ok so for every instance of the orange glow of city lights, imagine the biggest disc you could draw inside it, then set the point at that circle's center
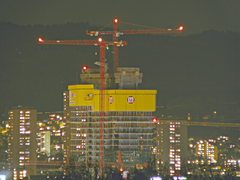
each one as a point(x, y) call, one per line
point(40, 39)
point(84, 68)
point(181, 28)
point(100, 39)
point(115, 20)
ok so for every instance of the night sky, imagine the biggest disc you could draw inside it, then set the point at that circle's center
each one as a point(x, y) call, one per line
point(196, 72)
point(196, 16)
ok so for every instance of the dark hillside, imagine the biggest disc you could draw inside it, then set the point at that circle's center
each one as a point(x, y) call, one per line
point(196, 73)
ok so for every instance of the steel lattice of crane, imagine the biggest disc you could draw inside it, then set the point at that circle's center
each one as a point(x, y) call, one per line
point(196, 123)
point(116, 33)
point(103, 45)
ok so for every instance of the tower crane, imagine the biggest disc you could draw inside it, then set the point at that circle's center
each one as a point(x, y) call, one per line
point(196, 123)
point(103, 45)
point(116, 33)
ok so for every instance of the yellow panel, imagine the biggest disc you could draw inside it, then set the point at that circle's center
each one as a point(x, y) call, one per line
point(81, 86)
point(142, 100)
point(115, 100)
point(119, 102)
point(110, 101)
point(215, 152)
point(81, 95)
point(150, 102)
point(130, 102)
point(96, 101)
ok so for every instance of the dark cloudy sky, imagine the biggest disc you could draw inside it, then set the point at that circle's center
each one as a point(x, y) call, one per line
point(206, 64)
point(195, 15)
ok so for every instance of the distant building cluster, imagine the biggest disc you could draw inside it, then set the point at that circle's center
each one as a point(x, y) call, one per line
point(220, 153)
point(43, 143)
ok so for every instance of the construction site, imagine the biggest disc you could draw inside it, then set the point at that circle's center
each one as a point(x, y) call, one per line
point(110, 122)
point(108, 118)
point(128, 125)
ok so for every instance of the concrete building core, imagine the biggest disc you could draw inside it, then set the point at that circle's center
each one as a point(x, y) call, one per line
point(128, 77)
point(125, 78)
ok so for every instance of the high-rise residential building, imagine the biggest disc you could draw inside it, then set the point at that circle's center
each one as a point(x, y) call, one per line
point(171, 144)
point(66, 129)
point(207, 151)
point(45, 140)
point(22, 141)
point(49, 136)
point(128, 125)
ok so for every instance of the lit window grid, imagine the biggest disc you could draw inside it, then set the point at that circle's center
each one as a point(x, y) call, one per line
point(174, 154)
point(75, 136)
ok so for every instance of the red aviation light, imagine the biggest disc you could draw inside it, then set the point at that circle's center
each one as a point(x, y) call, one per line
point(115, 20)
point(40, 39)
point(100, 39)
point(180, 28)
point(154, 120)
point(84, 68)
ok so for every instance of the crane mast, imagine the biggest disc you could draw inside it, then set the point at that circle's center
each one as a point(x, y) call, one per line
point(103, 45)
point(115, 48)
point(101, 109)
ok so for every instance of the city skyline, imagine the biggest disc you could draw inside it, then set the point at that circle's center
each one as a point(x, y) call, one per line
point(170, 130)
point(141, 107)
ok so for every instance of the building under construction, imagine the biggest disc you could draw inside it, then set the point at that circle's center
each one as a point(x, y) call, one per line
point(128, 125)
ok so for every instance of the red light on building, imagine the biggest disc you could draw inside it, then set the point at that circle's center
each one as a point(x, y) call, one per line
point(100, 39)
point(154, 120)
point(180, 28)
point(115, 20)
point(84, 68)
point(40, 39)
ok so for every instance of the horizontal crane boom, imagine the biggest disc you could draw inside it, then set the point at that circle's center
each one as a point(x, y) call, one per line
point(81, 42)
point(195, 123)
point(135, 31)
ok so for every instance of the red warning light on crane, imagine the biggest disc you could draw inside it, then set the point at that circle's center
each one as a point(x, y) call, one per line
point(154, 120)
point(84, 68)
point(100, 39)
point(115, 20)
point(40, 39)
point(180, 28)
